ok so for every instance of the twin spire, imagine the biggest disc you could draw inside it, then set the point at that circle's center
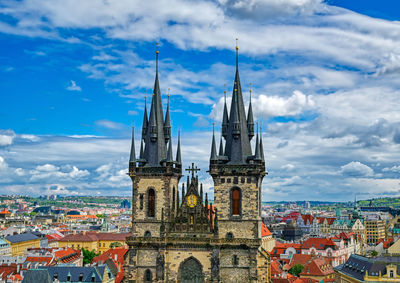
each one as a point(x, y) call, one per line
point(156, 142)
point(237, 129)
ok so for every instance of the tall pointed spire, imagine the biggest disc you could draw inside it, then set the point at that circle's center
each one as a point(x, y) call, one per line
point(155, 145)
point(132, 157)
point(250, 119)
point(237, 147)
point(178, 149)
point(167, 123)
point(145, 119)
point(221, 147)
point(213, 156)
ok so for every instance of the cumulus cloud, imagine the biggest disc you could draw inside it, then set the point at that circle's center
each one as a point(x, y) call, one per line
point(6, 137)
point(265, 106)
point(356, 169)
point(73, 86)
point(50, 172)
point(3, 164)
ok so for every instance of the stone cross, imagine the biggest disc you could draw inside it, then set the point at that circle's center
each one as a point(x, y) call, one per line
point(192, 169)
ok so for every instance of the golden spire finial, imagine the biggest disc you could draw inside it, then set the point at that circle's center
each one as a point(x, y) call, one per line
point(133, 124)
point(145, 95)
point(157, 44)
point(168, 92)
point(237, 46)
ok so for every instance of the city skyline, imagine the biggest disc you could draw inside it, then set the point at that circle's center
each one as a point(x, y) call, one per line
point(324, 88)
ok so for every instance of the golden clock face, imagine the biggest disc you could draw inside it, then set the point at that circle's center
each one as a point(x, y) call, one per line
point(191, 200)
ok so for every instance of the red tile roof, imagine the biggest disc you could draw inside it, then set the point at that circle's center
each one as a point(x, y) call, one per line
point(5, 211)
point(317, 267)
point(45, 260)
point(318, 243)
point(264, 230)
point(307, 218)
point(117, 256)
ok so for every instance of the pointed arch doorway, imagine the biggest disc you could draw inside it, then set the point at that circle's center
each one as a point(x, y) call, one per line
point(191, 271)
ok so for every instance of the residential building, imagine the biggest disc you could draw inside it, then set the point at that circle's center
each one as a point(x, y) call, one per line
point(99, 242)
point(362, 269)
point(67, 274)
point(21, 242)
point(374, 231)
point(5, 248)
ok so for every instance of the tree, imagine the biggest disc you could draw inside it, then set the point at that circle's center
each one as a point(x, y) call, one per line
point(115, 245)
point(296, 269)
point(88, 255)
point(374, 253)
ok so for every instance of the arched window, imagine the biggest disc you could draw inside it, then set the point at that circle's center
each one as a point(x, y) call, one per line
point(229, 235)
point(147, 275)
point(151, 203)
point(147, 234)
point(236, 201)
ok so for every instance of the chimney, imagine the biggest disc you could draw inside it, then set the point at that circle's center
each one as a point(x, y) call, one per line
point(115, 257)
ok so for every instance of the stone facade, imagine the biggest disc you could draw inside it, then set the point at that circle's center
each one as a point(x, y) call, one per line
point(176, 235)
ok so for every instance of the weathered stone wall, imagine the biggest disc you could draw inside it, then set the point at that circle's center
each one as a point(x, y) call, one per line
point(247, 225)
point(163, 186)
point(175, 257)
point(239, 229)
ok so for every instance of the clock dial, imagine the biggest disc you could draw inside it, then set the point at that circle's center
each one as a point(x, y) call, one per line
point(191, 200)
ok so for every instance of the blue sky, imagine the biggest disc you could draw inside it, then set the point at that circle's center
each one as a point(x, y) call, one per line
point(324, 75)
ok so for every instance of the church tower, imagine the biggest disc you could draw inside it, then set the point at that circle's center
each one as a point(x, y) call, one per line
point(177, 236)
point(237, 174)
point(155, 174)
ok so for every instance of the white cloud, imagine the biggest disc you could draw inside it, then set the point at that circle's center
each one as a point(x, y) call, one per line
point(6, 137)
point(133, 112)
point(3, 164)
point(356, 169)
point(47, 168)
point(49, 172)
point(20, 172)
point(272, 106)
point(109, 124)
point(74, 87)
point(392, 169)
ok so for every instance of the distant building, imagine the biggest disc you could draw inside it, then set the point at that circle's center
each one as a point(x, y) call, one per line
point(100, 242)
point(362, 269)
point(375, 230)
point(125, 204)
point(61, 274)
point(5, 248)
point(21, 242)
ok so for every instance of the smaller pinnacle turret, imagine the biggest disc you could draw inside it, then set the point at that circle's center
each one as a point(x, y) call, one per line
point(178, 149)
point(221, 148)
point(250, 119)
point(169, 154)
point(257, 155)
point(261, 145)
point(145, 119)
point(225, 119)
point(213, 156)
point(167, 123)
point(132, 157)
point(141, 153)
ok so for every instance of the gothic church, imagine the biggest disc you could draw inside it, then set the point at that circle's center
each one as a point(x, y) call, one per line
point(177, 236)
